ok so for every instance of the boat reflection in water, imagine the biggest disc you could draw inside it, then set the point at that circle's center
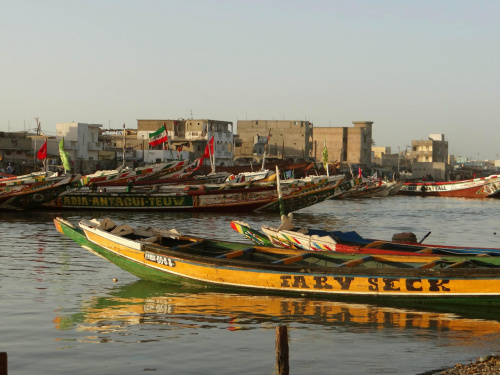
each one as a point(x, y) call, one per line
point(148, 303)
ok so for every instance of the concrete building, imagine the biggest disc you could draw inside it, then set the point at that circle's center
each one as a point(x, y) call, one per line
point(384, 160)
point(190, 137)
point(434, 149)
point(16, 148)
point(430, 157)
point(81, 141)
point(53, 157)
point(378, 151)
point(287, 139)
point(391, 161)
point(379, 155)
point(347, 145)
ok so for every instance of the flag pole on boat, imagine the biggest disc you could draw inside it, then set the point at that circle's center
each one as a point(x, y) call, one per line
point(265, 151)
point(280, 196)
point(124, 146)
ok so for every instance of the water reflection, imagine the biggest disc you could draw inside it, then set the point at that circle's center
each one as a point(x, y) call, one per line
point(163, 307)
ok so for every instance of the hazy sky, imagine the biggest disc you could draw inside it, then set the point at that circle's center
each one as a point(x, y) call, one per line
point(413, 67)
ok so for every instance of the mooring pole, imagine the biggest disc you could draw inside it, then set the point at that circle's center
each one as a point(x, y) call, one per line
point(3, 363)
point(282, 350)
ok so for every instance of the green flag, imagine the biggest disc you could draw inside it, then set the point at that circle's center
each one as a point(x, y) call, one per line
point(64, 156)
point(325, 156)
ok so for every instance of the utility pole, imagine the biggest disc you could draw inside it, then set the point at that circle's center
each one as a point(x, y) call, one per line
point(399, 156)
point(124, 145)
point(38, 126)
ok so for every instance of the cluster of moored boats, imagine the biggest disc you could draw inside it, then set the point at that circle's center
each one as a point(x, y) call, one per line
point(283, 259)
point(177, 186)
point(170, 186)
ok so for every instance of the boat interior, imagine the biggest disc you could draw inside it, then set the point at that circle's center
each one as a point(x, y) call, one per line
point(165, 242)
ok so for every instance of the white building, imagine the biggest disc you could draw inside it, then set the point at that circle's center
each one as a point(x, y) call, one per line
point(81, 140)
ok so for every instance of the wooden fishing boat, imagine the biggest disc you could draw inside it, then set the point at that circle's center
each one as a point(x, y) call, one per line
point(167, 256)
point(263, 174)
point(25, 179)
point(173, 171)
point(244, 197)
point(31, 192)
point(288, 236)
point(4, 176)
point(390, 188)
point(495, 189)
point(369, 187)
point(299, 169)
point(473, 188)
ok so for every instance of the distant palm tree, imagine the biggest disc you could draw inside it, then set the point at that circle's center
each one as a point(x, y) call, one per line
point(373, 142)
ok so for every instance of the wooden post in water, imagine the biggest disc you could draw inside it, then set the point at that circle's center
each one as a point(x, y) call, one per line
point(3, 363)
point(282, 350)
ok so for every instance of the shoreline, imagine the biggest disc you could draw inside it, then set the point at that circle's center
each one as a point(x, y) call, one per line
point(488, 364)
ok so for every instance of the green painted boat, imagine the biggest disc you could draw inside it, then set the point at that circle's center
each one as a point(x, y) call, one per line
point(167, 256)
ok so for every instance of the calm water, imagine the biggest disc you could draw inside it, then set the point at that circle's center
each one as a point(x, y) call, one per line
point(63, 314)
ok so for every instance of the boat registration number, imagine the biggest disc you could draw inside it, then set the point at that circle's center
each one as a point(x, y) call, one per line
point(159, 259)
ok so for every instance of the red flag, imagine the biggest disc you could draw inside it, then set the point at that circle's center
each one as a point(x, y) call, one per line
point(42, 153)
point(209, 149)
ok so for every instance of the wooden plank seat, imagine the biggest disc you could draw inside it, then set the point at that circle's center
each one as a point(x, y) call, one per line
point(355, 262)
point(293, 259)
point(459, 264)
point(236, 253)
point(431, 264)
point(187, 246)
